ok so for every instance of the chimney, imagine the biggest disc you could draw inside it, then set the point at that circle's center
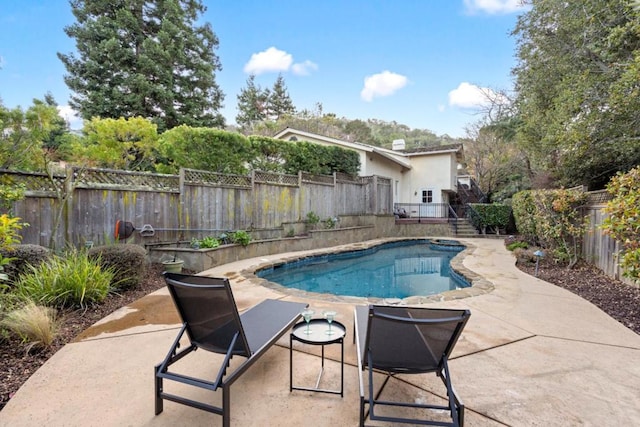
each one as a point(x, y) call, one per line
point(398, 144)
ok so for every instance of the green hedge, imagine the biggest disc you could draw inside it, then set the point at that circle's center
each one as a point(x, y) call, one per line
point(230, 152)
point(484, 216)
point(207, 149)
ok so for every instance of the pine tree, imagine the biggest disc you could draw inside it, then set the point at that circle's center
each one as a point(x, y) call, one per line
point(280, 104)
point(144, 58)
point(59, 126)
point(253, 104)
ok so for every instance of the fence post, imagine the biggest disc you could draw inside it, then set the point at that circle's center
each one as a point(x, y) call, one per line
point(67, 209)
point(335, 195)
point(254, 200)
point(300, 198)
point(374, 196)
point(181, 196)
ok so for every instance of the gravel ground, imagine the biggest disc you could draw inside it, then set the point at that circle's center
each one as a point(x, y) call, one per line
point(620, 301)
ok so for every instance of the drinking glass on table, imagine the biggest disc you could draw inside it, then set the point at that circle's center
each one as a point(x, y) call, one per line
point(307, 314)
point(329, 315)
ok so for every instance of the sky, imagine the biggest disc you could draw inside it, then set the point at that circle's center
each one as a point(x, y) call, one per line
point(422, 63)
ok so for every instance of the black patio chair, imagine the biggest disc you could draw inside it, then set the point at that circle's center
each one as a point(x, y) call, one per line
point(211, 322)
point(407, 340)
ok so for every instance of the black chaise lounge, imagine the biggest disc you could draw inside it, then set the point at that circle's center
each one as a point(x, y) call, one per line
point(407, 340)
point(212, 322)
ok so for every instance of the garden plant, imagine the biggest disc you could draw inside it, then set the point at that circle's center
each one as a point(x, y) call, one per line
point(623, 221)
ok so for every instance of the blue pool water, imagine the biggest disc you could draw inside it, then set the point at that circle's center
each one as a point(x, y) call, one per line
point(391, 270)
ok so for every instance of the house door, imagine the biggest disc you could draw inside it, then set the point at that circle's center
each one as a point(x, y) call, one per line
point(427, 209)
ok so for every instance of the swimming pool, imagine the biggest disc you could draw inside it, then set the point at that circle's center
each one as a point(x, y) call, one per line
point(391, 270)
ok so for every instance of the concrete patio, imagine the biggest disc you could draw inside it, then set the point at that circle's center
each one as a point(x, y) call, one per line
point(532, 354)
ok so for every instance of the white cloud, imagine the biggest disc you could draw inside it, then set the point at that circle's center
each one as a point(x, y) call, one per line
point(304, 68)
point(274, 60)
point(470, 96)
point(270, 60)
point(494, 7)
point(1, 62)
point(71, 116)
point(382, 84)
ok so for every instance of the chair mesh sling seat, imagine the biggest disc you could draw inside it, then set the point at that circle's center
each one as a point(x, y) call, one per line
point(211, 322)
point(407, 340)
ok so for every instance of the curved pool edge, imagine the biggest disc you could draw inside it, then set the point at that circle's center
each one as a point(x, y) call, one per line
point(479, 285)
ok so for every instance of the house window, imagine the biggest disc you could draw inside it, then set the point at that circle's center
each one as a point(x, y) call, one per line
point(427, 196)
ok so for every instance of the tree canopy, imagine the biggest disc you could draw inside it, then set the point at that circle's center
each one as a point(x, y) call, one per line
point(252, 104)
point(24, 133)
point(578, 87)
point(147, 58)
point(129, 144)
point(257, 106)
point(280, 103)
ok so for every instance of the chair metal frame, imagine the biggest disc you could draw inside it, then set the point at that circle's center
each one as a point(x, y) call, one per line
point(237, 333)
point(401, 317)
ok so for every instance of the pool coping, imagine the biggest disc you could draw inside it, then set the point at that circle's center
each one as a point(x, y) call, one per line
point(479, 285)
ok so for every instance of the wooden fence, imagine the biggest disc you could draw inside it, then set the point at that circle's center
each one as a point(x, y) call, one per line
point(83, 205)
point(598, 248)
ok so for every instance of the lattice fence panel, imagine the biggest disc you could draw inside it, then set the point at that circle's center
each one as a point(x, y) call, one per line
point(598, 197)
point(113, 179)
point(275, 178)
point(343, 177)
point(317, 179)
point(198, 177)
point(384, 181)
point(33, 182)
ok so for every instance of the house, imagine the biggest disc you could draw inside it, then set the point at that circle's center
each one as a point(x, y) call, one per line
point(425, 179)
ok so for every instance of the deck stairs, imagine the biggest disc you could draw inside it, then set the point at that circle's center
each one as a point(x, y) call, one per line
point(464, 229)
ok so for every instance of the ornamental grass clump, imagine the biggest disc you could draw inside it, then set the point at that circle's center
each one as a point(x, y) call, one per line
point(72, 280)
point(36, 325)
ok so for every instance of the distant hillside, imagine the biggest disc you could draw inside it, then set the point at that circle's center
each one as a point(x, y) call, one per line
point(373, 131)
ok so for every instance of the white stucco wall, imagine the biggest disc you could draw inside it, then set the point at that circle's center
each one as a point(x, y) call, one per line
point(434, 171)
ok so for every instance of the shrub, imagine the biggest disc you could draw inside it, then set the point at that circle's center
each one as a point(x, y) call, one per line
point(240, 237)
point(330, 223)
point(126, 261)
point(623, 222)
point(4, 277)
point(524, 214)
point(8, 302)
point(517, 245)
point(21, 257)
point(9, 194)
point(36, 325)
point(312, 219)
point(72, 280)
point(205, 243)
point(552, 219)
point(10, 231)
